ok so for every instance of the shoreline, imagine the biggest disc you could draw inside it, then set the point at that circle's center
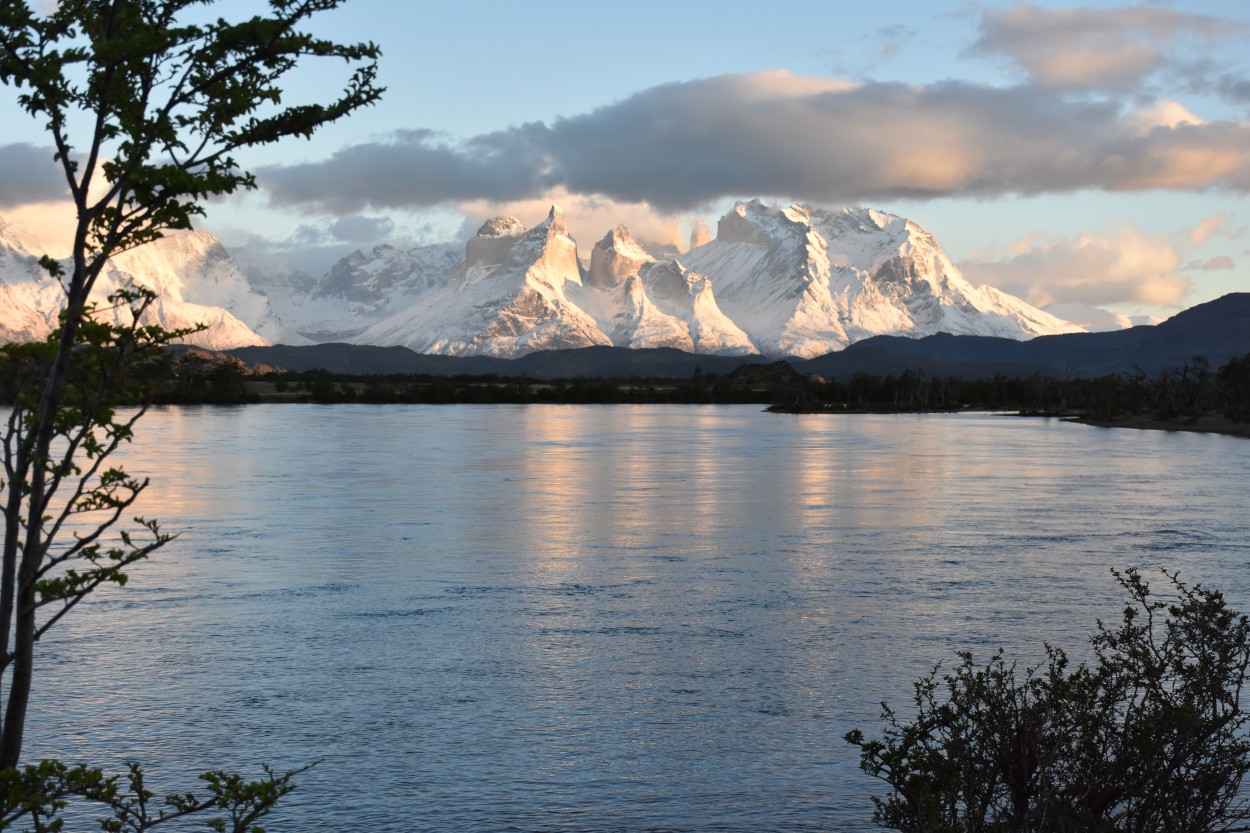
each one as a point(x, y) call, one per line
point(1202, 425)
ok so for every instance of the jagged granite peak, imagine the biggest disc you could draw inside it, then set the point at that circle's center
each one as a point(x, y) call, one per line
point(547, 249)
point(639, 323)
point(555, 220)
point(660, 304)
point(509, 297)
point(700, 234)
point(501, 227)
point(771, 273)
point(615, 258)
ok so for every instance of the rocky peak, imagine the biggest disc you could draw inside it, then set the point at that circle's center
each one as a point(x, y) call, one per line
point(615, 258)
point(549, 230)
point(762, 225)
point(553, 226)
point(493, 242)
point(700, 235)
point(501, 227)
point(668, 280)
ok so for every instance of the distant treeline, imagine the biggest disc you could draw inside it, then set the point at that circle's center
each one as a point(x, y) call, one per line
point(1189, 391)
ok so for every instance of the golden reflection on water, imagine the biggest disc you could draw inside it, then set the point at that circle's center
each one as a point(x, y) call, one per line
point(605, 465)
point(595, 608)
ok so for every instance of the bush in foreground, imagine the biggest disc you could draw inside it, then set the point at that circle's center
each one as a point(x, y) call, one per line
point(1149, 736)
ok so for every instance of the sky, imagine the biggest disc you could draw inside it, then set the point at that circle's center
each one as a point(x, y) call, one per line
point(1095, 152)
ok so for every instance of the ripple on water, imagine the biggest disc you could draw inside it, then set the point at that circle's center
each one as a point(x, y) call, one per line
point(600, 619)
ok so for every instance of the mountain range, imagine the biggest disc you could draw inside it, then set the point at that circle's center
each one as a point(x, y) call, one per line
point(775, 281)
point(1217, 331)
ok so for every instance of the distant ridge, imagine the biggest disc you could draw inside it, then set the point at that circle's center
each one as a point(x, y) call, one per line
point(1218, 331)
point(581, 362)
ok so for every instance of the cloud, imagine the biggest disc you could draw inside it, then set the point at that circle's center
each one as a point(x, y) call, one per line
point(1214, 264)
point(1112, 49)
point(28, 175)
point(1208, 228)
point(681, 146)
point(891, 39)
point(315, 246)
point(1123, 268)
point(361, 229)
point(588, 218)
point(414, 169)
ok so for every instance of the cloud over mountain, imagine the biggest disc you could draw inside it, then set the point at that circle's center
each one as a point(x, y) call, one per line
point(679, 146)
point(1124, 267)
point(28, 175)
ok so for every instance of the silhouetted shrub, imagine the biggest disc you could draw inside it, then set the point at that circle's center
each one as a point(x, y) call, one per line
point(1148, 737)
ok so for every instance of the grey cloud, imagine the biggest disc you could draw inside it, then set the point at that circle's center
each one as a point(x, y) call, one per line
point(1210, 77)
point(680, 146)
point(411, 170)
point(309, 235)
point(1235, 88)
point(1095, 49)
point(361, 229)
point(891, 39)
point(28, 174)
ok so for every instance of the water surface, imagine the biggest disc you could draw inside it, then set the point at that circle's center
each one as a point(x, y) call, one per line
point(555, 618)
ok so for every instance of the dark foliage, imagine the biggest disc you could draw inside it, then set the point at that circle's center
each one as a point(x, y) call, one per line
point(1148, 738)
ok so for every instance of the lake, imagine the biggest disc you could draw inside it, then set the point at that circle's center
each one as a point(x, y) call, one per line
point(623, 618)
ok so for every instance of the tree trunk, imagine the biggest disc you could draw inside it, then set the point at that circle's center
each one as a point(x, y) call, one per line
point(23, 667)
point(17, 597)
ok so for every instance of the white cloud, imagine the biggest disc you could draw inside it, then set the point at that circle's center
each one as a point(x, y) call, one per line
point(1208, 228)
point(1161, 113)
point(1126, 267)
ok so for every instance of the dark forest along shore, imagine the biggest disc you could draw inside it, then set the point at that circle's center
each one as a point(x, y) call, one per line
point(567, 618)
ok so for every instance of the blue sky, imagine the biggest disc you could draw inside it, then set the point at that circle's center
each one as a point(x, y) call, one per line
point(1097, 152)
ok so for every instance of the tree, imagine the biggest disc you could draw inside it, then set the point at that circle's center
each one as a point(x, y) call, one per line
point(1234, 380)
point(1149, 737)
point(145, 106)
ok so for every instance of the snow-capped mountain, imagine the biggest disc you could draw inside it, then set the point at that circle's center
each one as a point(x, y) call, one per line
point(774, 280)
point(25, 306)
point(193, 276)
point(510, 296)
point(778, 281)
point(641, 302)
point(806, 282)
point(358, 291)
point(197, 282)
